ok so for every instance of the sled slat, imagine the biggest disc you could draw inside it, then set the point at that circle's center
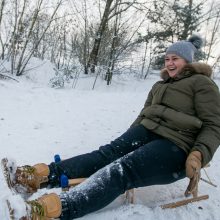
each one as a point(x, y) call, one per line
point(73, 182)
point(184, 202)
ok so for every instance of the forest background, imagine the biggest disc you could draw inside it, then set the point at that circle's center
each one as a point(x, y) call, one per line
point(102, 38)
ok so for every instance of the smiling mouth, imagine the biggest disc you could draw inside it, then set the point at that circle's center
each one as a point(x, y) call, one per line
point(171, 69)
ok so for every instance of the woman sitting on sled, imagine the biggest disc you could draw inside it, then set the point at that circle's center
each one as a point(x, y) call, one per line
point(176, 133)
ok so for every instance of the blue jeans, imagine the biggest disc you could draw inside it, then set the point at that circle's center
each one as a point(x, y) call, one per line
point(137, 158)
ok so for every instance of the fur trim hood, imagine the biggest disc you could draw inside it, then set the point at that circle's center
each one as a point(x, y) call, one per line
point(189, 69)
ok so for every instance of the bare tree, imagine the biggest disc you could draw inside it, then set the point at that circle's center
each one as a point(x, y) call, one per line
point(23, 61)
point(111, 62)
point(2, 5)
point(32, 24)
point(86, 40)
point(109, 13)
point(94, 53)
point(213, 31)
point(14, 37)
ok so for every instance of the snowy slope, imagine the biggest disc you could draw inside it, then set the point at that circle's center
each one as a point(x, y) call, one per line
point(37, 122)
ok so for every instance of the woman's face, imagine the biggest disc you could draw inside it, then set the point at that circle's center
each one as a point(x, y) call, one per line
point(174, 64)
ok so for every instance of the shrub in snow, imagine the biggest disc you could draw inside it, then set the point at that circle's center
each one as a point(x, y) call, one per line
point(61, 76)
point(58, 80)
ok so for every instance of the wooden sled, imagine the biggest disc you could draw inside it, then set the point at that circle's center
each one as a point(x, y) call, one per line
point(130, 195)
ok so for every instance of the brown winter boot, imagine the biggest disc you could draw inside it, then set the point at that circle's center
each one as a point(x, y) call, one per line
point(44, 208)
point(32, 177)
point(24, 179)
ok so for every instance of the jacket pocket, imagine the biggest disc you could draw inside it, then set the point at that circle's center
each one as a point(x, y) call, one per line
point(181, 121)
point(171, 118)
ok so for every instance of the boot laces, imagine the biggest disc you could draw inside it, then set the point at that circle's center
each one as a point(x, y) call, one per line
point(26, 172)
point(36, 208)
point(27, 169)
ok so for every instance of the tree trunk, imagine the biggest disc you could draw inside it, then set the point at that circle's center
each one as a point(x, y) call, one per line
point(13, 39)
point(85, 46)
point(213, 34)
point(1, 15)
point(111, 64)
point(187, 22)
point(93, 59)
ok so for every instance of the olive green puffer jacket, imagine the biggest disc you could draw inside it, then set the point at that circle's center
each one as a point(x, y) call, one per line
point(186, 110)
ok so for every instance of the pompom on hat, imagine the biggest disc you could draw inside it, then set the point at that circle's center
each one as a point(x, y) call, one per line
point(187, 48)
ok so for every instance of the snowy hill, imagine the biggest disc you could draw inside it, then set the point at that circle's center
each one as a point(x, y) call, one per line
point(37, 122)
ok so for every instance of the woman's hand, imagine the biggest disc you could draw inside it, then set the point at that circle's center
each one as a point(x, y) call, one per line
point(193, 167)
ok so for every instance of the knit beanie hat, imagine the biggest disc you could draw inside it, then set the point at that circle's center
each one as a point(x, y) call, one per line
point(187, 48)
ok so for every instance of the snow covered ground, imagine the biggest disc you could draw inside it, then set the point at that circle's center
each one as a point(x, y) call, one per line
point(37, 122)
